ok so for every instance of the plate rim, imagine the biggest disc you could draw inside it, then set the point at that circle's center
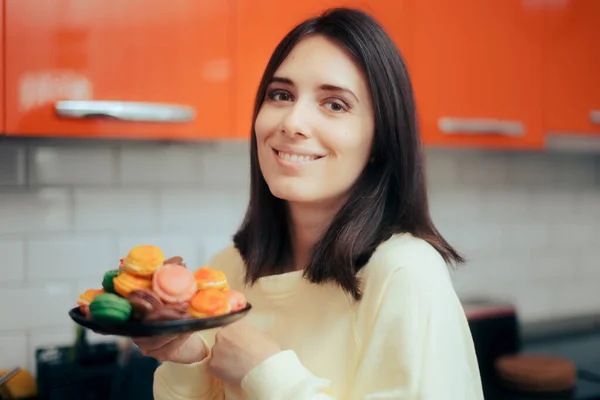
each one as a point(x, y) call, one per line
point(77, 316)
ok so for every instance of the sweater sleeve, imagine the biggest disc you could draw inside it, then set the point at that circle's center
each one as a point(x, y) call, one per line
point(417, 346)
point(187, 381)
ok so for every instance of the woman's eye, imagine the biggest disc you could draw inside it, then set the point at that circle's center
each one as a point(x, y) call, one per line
point(277, 95)
point(336, 106)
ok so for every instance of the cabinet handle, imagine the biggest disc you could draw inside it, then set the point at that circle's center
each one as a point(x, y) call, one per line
point(481, 126)
point(595, 117)
point(124, 111)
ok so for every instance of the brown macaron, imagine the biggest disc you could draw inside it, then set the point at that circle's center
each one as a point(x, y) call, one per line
point(143, 302)
point(167, 313)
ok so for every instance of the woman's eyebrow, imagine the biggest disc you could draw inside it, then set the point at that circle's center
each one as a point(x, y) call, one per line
point(335, 88)
point(326, 86)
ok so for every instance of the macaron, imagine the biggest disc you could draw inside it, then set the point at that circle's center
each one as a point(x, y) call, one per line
point(209, 303)
point(237, 300)
point(175, 260)
point(107, 280)
point(86, 298)
point(143, 302)
point(110, 308)
point(143, 260)
point(169, 312)
point(208, 278)
point(174, 283)
point(125, 283)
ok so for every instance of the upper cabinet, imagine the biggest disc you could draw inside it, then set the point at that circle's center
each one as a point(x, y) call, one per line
point(2, 92)
point(475, 67)
point(571, 70)
point(148, 69)
point(261, 24)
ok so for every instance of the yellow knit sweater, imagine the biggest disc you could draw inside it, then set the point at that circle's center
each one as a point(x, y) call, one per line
point(408, 338)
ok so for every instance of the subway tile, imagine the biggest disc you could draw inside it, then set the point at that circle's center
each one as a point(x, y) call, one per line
point(482, 169)
point(536, 301)
point(441, 168)
point(527, 235)
point(590, 263)
point(201, 211)
point(57, 258)
point(506, 204)
point(43, 210)
point(81, 166)
point(13, 347)
point(115, 209)
point(587, 204)
point(160, 165)
point(13, 259)
point(556, 205)
point(36, 306)
point(577, 297)
point(574, 235)
point(226, 165)
point(574, 171)
point(213, 243)
point(13, 168)
point(553, 263)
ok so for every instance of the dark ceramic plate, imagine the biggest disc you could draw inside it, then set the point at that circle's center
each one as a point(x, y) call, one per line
point(158, 328)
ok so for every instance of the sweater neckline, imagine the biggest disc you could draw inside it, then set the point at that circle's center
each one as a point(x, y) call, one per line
point(286, 283)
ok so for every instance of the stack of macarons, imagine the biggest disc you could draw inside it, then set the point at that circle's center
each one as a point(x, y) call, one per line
point(148, 287)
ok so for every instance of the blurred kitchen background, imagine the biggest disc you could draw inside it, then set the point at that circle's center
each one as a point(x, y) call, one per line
point(509, 103)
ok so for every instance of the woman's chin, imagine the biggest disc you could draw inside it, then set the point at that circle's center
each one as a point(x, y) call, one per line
point(291, 193)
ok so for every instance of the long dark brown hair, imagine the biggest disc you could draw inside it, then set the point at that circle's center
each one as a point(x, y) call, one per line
point(388, 197)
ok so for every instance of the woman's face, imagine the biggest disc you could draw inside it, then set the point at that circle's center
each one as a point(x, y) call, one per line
point(315, 129)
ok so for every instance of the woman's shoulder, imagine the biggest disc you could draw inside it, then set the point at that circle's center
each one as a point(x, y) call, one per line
point(413, 258)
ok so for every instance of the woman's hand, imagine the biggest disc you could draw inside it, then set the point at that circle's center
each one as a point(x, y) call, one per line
point(238, 348)
point(183, 349)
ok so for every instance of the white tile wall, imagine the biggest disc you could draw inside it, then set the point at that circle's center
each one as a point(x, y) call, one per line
point(528, 223)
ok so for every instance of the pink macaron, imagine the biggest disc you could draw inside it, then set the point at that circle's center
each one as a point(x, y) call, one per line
point(174, 283)
point(237, 300)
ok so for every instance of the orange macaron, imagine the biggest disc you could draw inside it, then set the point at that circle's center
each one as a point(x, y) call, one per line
point(208, 278)
point(209, 303)
point(174, 283)
point(126, 282)
point(143, 260)
point(85, 299)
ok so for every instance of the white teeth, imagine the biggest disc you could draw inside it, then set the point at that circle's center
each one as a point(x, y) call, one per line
point(296, 157)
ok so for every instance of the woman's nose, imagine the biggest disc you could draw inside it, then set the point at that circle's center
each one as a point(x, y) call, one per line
point(297, 121)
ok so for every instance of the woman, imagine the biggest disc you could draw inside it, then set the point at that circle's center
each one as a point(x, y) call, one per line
point(347, 275)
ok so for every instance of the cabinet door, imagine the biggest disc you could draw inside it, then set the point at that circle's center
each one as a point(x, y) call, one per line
point(572, 68)
point(136, 69)
point(2, 78)
point(261, 24)
point(476, 71)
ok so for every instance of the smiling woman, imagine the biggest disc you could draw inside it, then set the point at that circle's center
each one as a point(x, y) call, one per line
point(347, 274)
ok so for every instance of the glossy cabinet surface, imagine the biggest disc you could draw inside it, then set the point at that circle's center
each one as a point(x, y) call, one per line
point(261, 24)
point(172, 57)
point(476, 69)
point(2, 61)
point(571, 74)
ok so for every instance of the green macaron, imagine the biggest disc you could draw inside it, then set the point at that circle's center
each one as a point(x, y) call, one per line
point(110, 307)
point(107, 281)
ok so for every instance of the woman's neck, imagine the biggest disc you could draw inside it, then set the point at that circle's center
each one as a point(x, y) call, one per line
point(307, 224)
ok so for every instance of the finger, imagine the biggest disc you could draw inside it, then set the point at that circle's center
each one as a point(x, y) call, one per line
point(168, 351)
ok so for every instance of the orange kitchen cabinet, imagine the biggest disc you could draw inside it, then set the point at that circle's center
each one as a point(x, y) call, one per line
point(476, 67)
point(571, 70)
point(139, 69)
point(261, 24)
point(2, 58)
